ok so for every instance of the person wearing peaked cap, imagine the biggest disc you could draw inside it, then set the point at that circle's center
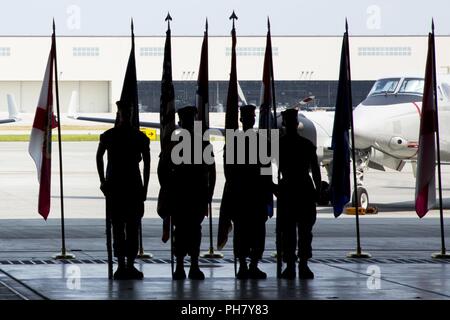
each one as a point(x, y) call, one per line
point(290, 113)
point(187, 111)
point(193, 185)
point(297, 196)
point(247, 109)
point(245, 203)
point(123, 187)
point(187, 116)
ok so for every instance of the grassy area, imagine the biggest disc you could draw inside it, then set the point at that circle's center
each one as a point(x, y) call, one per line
point(66, 137)
point(69, 137)
point(15, 127)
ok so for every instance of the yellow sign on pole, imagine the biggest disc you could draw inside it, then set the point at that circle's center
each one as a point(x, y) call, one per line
point(150, 133)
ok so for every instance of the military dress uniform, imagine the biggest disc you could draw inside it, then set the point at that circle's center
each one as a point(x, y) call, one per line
point(124, 187)
point(245, 203)
point(186, 191)
point(297, 195)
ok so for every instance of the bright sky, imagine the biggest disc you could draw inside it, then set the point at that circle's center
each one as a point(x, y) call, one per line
point(288, 17)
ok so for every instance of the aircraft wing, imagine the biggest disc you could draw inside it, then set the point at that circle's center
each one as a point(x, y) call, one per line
point(145, 124)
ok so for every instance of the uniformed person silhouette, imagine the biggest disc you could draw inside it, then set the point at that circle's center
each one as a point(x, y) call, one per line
point(193, 187)
point(123, 187)
point(297, 196)
point(249, 212)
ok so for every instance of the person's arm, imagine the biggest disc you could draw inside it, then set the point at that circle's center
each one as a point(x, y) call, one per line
point(315, 170)
point(100, 166)
point(146, 159)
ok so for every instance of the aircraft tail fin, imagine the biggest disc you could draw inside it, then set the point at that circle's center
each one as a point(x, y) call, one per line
point(12, 109)
point(73, 104)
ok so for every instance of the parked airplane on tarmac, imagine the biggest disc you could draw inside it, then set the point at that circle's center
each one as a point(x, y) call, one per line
point(387, 124)
point(13, 114)
point(386, 127)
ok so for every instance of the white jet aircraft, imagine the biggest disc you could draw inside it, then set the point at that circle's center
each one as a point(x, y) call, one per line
point(387, 125)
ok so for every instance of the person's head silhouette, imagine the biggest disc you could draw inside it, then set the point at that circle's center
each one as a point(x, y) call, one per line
point(123, 113)
point(187, 115)
point(290, 120)
point(247, 116)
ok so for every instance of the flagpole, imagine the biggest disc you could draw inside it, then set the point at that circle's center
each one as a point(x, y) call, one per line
point(64, 254)
point(141, 253)
point(278, 239)
point(443, 254)
point(358, 253)
point(210, 254)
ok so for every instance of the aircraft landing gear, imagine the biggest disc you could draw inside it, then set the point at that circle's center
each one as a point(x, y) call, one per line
point(362, 198)
point(362, 164)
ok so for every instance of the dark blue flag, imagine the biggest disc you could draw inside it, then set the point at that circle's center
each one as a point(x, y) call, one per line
point(340, 181)
point(129, 89)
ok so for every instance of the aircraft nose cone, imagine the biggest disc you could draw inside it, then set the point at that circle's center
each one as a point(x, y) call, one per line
point(364, 129)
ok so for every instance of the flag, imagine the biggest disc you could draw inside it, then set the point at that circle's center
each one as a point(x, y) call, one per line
point(426, 158)
point(232, 109)
point(340, 178)
point(40, 146)
point(167, 101)
point(265, 116)
point(167, 126)
point(266, 87)
point(202, 97)
point(129, 93)
point(231, 122)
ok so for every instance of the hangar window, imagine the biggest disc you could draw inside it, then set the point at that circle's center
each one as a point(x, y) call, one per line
point(251, 51)
point(151, 51)
point(5, 51)
point(85, 51)
point(384, 51)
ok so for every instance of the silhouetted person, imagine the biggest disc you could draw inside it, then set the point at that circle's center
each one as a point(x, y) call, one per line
point(246, 196)
point(191, 187)
point(297, 196)
point(123, 187)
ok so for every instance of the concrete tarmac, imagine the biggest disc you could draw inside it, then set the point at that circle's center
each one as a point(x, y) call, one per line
point(400, 243)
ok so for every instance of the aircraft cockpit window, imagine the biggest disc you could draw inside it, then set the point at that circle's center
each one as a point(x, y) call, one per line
point(384, 86)
point(412, 86)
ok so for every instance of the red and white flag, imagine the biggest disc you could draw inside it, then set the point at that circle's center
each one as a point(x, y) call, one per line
point(426, 158)
point(40, 147)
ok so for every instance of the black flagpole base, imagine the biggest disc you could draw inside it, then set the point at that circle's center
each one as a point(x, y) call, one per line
point(64, 256)
point(359, 255)
point(440, 255)
point(211, 254)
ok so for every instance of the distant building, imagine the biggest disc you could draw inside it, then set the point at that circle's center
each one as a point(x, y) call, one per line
point(92, 68)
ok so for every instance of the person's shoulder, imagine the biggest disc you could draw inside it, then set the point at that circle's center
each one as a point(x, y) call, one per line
point(109, 131)
point(308, 143)
point(141, 134)
point(107, 134)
